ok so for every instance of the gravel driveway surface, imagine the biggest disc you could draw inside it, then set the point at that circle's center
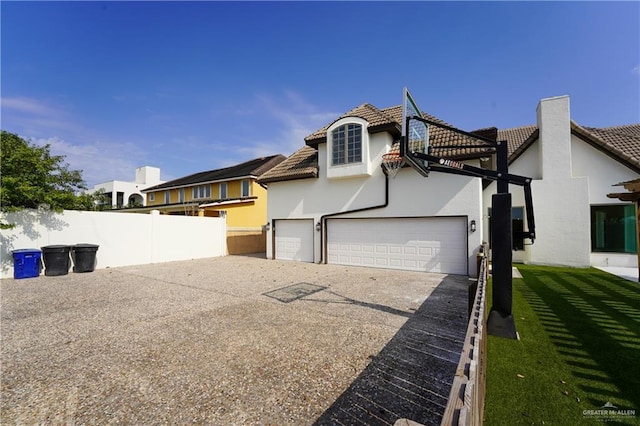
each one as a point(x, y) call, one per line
point(236, 340)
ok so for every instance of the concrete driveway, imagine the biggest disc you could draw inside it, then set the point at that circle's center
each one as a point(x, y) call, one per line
point(233, 340)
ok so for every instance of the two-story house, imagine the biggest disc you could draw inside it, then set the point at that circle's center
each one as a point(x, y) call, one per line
point(331, 202)
point(231, 192)
point(120, 194)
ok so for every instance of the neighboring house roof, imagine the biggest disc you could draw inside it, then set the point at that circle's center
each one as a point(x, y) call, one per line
point(621, 143)
point(300, 165)
point(254, 168)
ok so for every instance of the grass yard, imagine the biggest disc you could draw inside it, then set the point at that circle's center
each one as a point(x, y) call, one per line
point(579, 349)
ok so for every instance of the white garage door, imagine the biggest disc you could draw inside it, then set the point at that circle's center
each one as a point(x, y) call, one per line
point(294, 239)
point(437, 244)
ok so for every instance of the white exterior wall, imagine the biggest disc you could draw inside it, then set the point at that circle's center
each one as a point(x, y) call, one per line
point(410, 195)
point(572, 177)
point(603, 172)
point(127, 188)
point(124, 238)
point(554, 124)
point(145, 177)
point(148, 175)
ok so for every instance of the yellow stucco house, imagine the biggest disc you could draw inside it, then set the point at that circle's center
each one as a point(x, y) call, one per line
point(232, 192)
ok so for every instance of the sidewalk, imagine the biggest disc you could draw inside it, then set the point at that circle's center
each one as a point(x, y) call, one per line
point(630, 274)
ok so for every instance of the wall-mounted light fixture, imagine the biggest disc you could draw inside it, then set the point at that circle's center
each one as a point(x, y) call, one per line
point(473, 226)
point(267, 227)
point(318, 226)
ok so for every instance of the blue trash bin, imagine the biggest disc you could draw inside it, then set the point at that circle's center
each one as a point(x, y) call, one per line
point(26, 263)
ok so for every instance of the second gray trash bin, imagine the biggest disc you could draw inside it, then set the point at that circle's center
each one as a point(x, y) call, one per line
point(84, 257)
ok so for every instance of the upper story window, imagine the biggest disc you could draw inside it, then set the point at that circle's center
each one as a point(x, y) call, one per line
point(202, 191)
point(152, 196)
point(346, 145)
point(245, 188)
point(347, 149)
point(181, 195)
point(167, 197)
point(223, 190)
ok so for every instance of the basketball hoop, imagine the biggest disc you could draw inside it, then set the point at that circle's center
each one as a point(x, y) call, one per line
point(392, 163)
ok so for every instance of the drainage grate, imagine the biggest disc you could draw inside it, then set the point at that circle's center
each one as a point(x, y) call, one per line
point(294, 292)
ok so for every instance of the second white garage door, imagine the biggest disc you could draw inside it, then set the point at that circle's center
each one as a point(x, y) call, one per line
point(435, 244)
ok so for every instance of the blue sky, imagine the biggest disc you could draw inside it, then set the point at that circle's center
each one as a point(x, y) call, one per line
point(196, 86)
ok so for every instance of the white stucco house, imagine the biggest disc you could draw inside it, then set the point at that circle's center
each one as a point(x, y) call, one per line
point(574, 168)
point(331, 202)
point(122, 194)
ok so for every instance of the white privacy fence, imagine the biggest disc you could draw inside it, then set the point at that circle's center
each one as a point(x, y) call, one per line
point(124, 238)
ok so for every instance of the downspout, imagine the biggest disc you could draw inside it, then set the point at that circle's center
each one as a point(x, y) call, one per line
point(323, 218)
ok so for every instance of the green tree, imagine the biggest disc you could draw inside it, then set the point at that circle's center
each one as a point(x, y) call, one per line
point(31, 178)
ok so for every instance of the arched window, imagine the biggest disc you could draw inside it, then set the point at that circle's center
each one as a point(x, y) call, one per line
point(346, 143)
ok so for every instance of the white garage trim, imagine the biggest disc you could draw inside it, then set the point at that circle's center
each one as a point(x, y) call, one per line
point(293, 239)
point(429, 244)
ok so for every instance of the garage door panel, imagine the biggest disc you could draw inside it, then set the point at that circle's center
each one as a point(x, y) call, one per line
point(420, 244)
point(294, 240)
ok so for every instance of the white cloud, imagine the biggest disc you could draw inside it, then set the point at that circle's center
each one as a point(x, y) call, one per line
point(99, 161)
point(35, 117)
point(41, 122)
point(293, 118)
point(636, 70)
point(27, 105)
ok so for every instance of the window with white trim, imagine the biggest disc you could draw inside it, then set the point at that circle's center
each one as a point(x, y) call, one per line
point(181, 195)
point(152, 196)
point(245, 188)
point(347, 149)
point(346, 144)
point(202, 191)
point(223, 190)
point(167, 197)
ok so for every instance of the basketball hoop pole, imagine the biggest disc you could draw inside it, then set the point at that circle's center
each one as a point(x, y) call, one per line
point(500, 321)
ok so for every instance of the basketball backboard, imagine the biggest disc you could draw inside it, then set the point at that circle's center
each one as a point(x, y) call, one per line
point(415, 134)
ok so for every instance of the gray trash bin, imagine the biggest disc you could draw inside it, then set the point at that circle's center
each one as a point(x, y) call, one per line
point(84, 257)
point(56, 260)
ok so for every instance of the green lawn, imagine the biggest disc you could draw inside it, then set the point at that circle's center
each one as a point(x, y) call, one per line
point(579, 349)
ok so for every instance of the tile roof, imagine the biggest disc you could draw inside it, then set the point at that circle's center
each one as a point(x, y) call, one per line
point(620, 142)
point(379, 120)
point(304, 162)
point(518, 138)
point(628, 130)
point(256, 167)
point(300, 165)
point(444, 142)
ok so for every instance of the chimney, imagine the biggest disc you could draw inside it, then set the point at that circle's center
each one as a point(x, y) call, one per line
point(148, 175)
point(554, 124)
